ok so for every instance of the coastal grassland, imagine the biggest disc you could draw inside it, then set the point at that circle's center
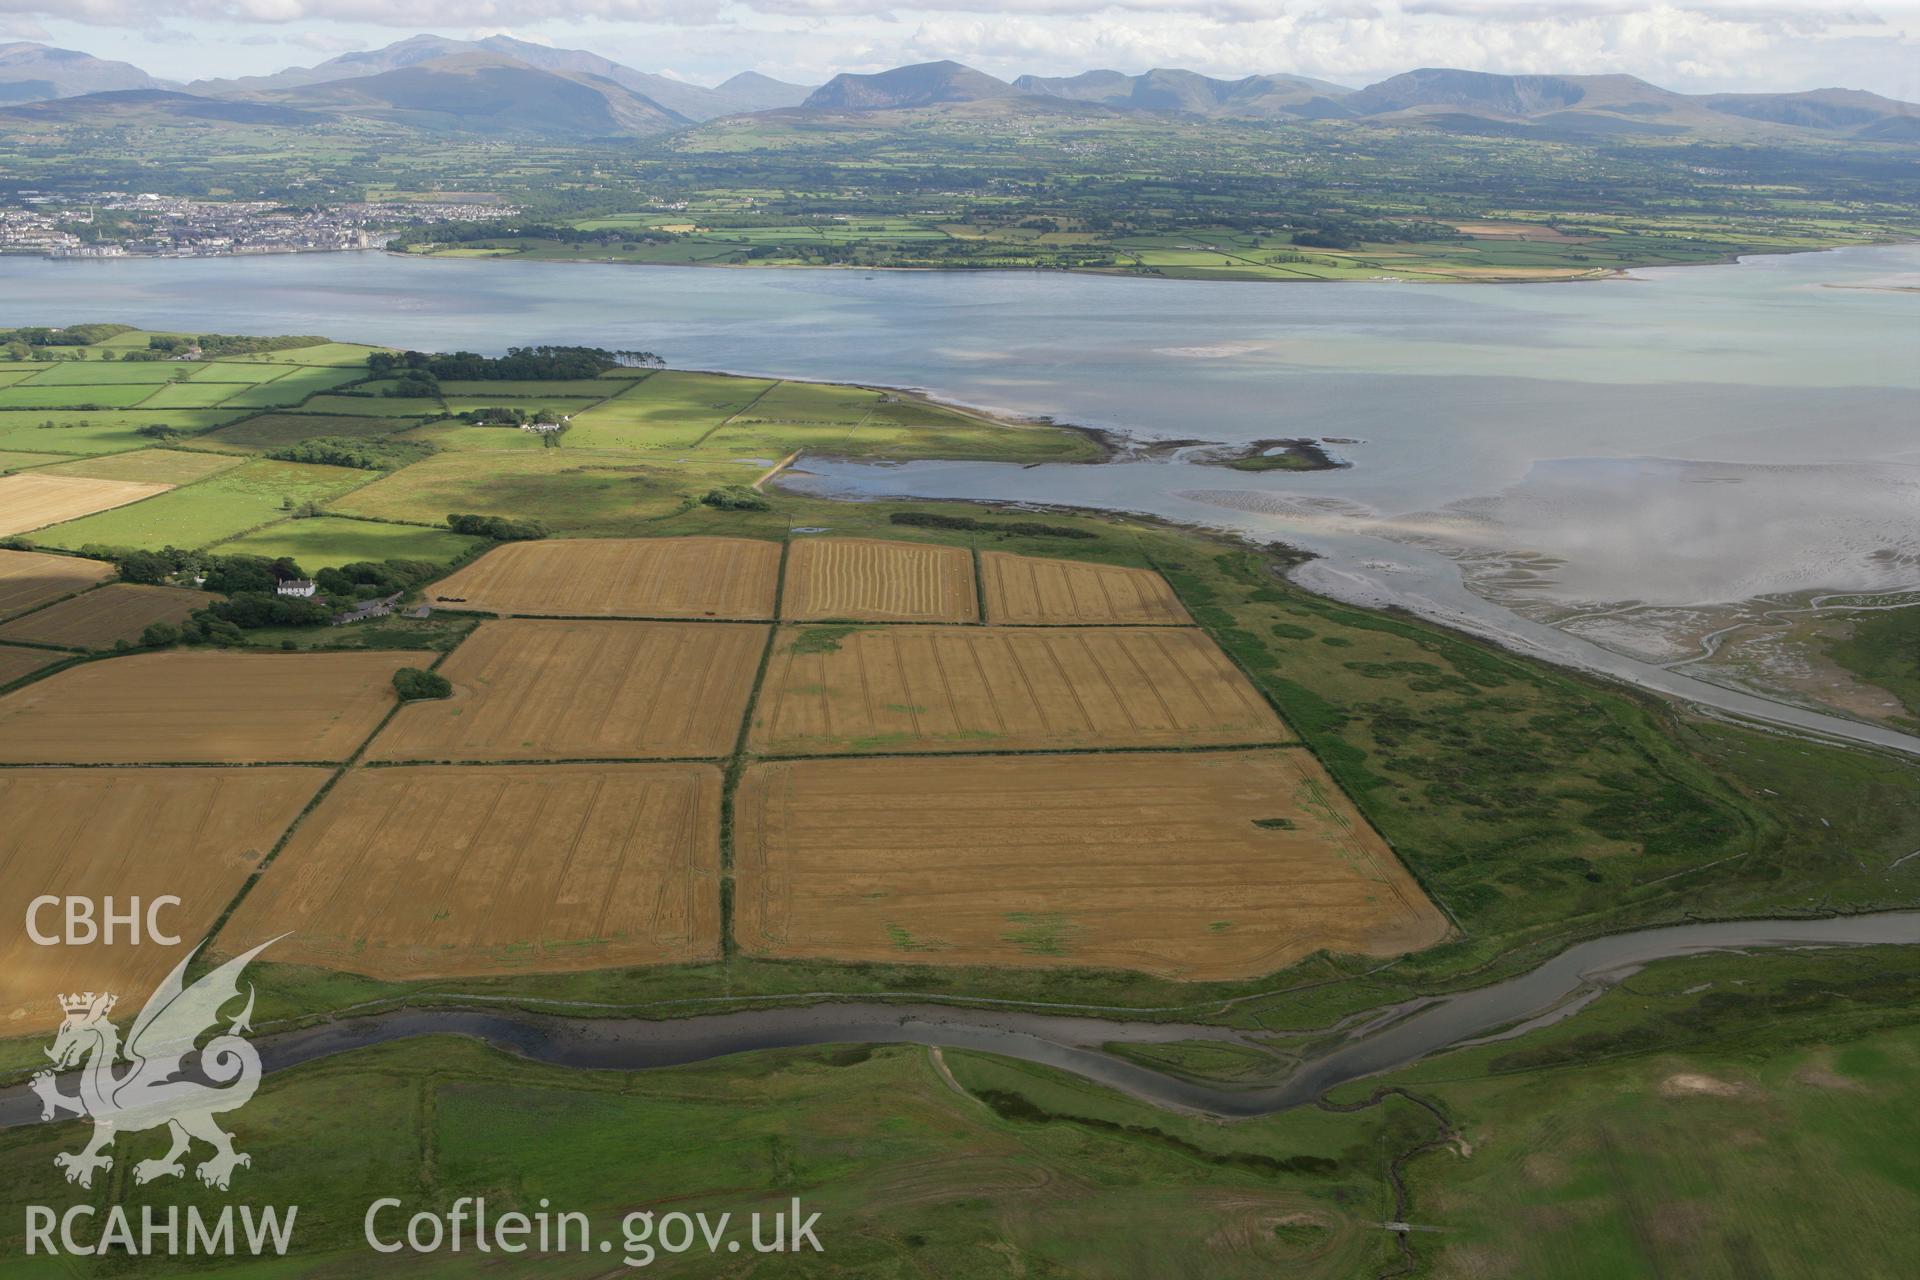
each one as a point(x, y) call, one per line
point(910, 1174)
point(209, 510)
point(1884, 648)
point(670, 408)
point(266, 432)
point(1720, 1115)
point(92, 431)
point(90, 374)
point(334, 355)
point(324, 542)
point(574, 492)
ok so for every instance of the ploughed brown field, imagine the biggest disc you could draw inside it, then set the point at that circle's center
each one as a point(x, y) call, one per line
point(728, 578)
point(873, 580)
point(193, 833)
point(194, 707)
point(1032, 590)
point(549, 690)
point(1202, 866)
point(28, 579)
point(406, 872)
point(117, 611)
point(32, 500)
point(16, 661)
point(1004, 688)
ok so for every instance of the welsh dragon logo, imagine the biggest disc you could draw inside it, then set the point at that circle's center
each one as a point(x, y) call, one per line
point(153, 1090)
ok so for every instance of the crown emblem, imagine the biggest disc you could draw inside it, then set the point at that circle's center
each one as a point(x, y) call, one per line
point(80, 1002)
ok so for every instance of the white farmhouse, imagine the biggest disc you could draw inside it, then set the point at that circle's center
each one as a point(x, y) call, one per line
point(296, 587)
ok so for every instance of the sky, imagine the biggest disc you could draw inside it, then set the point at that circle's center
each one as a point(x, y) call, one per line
point(1689, 45)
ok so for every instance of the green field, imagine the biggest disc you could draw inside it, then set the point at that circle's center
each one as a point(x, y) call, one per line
point(374, 407)
point(575, 492)
point(670, 409)
point(294, 387)
point(328, 541)
point(87, 431)
point(155, 466)
point(266, 432)
point(208, 511)
point(34, 395)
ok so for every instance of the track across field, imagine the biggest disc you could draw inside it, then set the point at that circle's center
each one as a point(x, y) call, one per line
point(559, 690)
point(1202, 866)
point(410, 872)
point(1003, 688)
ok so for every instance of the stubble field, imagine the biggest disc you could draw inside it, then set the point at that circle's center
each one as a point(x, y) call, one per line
point(201, 707)
point(1204, 866)
point(28, 579)
point(729, 578)
point(873, 580)
point(117, 611)
point(1033, 591)
point(193, 833)
point(432, 871)
point(558, 690)
point(999, 688)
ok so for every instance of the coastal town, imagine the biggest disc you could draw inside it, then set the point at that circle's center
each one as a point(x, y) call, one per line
point(119, 224)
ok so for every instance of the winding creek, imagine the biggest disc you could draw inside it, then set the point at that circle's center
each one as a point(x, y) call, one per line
point(1388, 1039)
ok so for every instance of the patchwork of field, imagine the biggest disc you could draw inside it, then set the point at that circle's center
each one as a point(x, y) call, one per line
point(200, 706)
point(526, 690)
point(222, 505)
point(117, 611)
point(28, 579)
point(733, 578)
point(1004, 688)
point(432, 871)
point(872, 580)
point(35, 499)
point(16, 662)
point(669, 408)
point(1031, 590)
point(292, 388)
point(127, 833)
point(86, 431)
point(1204, 866)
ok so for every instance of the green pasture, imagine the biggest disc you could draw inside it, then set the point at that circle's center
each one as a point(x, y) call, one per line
point(210, 510)
point(324, 542)
point(90, 431)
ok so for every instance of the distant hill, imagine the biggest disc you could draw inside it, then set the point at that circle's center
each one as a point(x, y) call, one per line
point(487, 93)
point(34, 72)
point(148, 105)
point(924, 84)
point(745, 92)
point(1190, 93)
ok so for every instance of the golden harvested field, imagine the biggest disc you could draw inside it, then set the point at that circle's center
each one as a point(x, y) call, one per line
point(1004, 688)
point(621, 578)
point(34, 499)
point(16, 662)
point(117, 611)
point(872, 580)
point(184, 707)
point(1032, 590)
point(192, 833)
point(28, 579)
point(1158, 863)
point(551, 690)
point(443, 871)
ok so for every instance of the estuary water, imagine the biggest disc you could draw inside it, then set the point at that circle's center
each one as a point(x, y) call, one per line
point(1680, 438)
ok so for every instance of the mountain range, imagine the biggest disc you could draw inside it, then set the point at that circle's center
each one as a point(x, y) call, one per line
point(502, 86)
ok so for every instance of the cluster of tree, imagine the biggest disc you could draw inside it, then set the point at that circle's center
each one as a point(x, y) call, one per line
point(735, 497)
point(371, 579)
point(414, 384)
point(74, 335)
point(500, 416)
point(414, 684)
point(1027, 528)
point(499, 528)
point(520, 364)
point(251, 610)
point(366, 454)
point(224, 574)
